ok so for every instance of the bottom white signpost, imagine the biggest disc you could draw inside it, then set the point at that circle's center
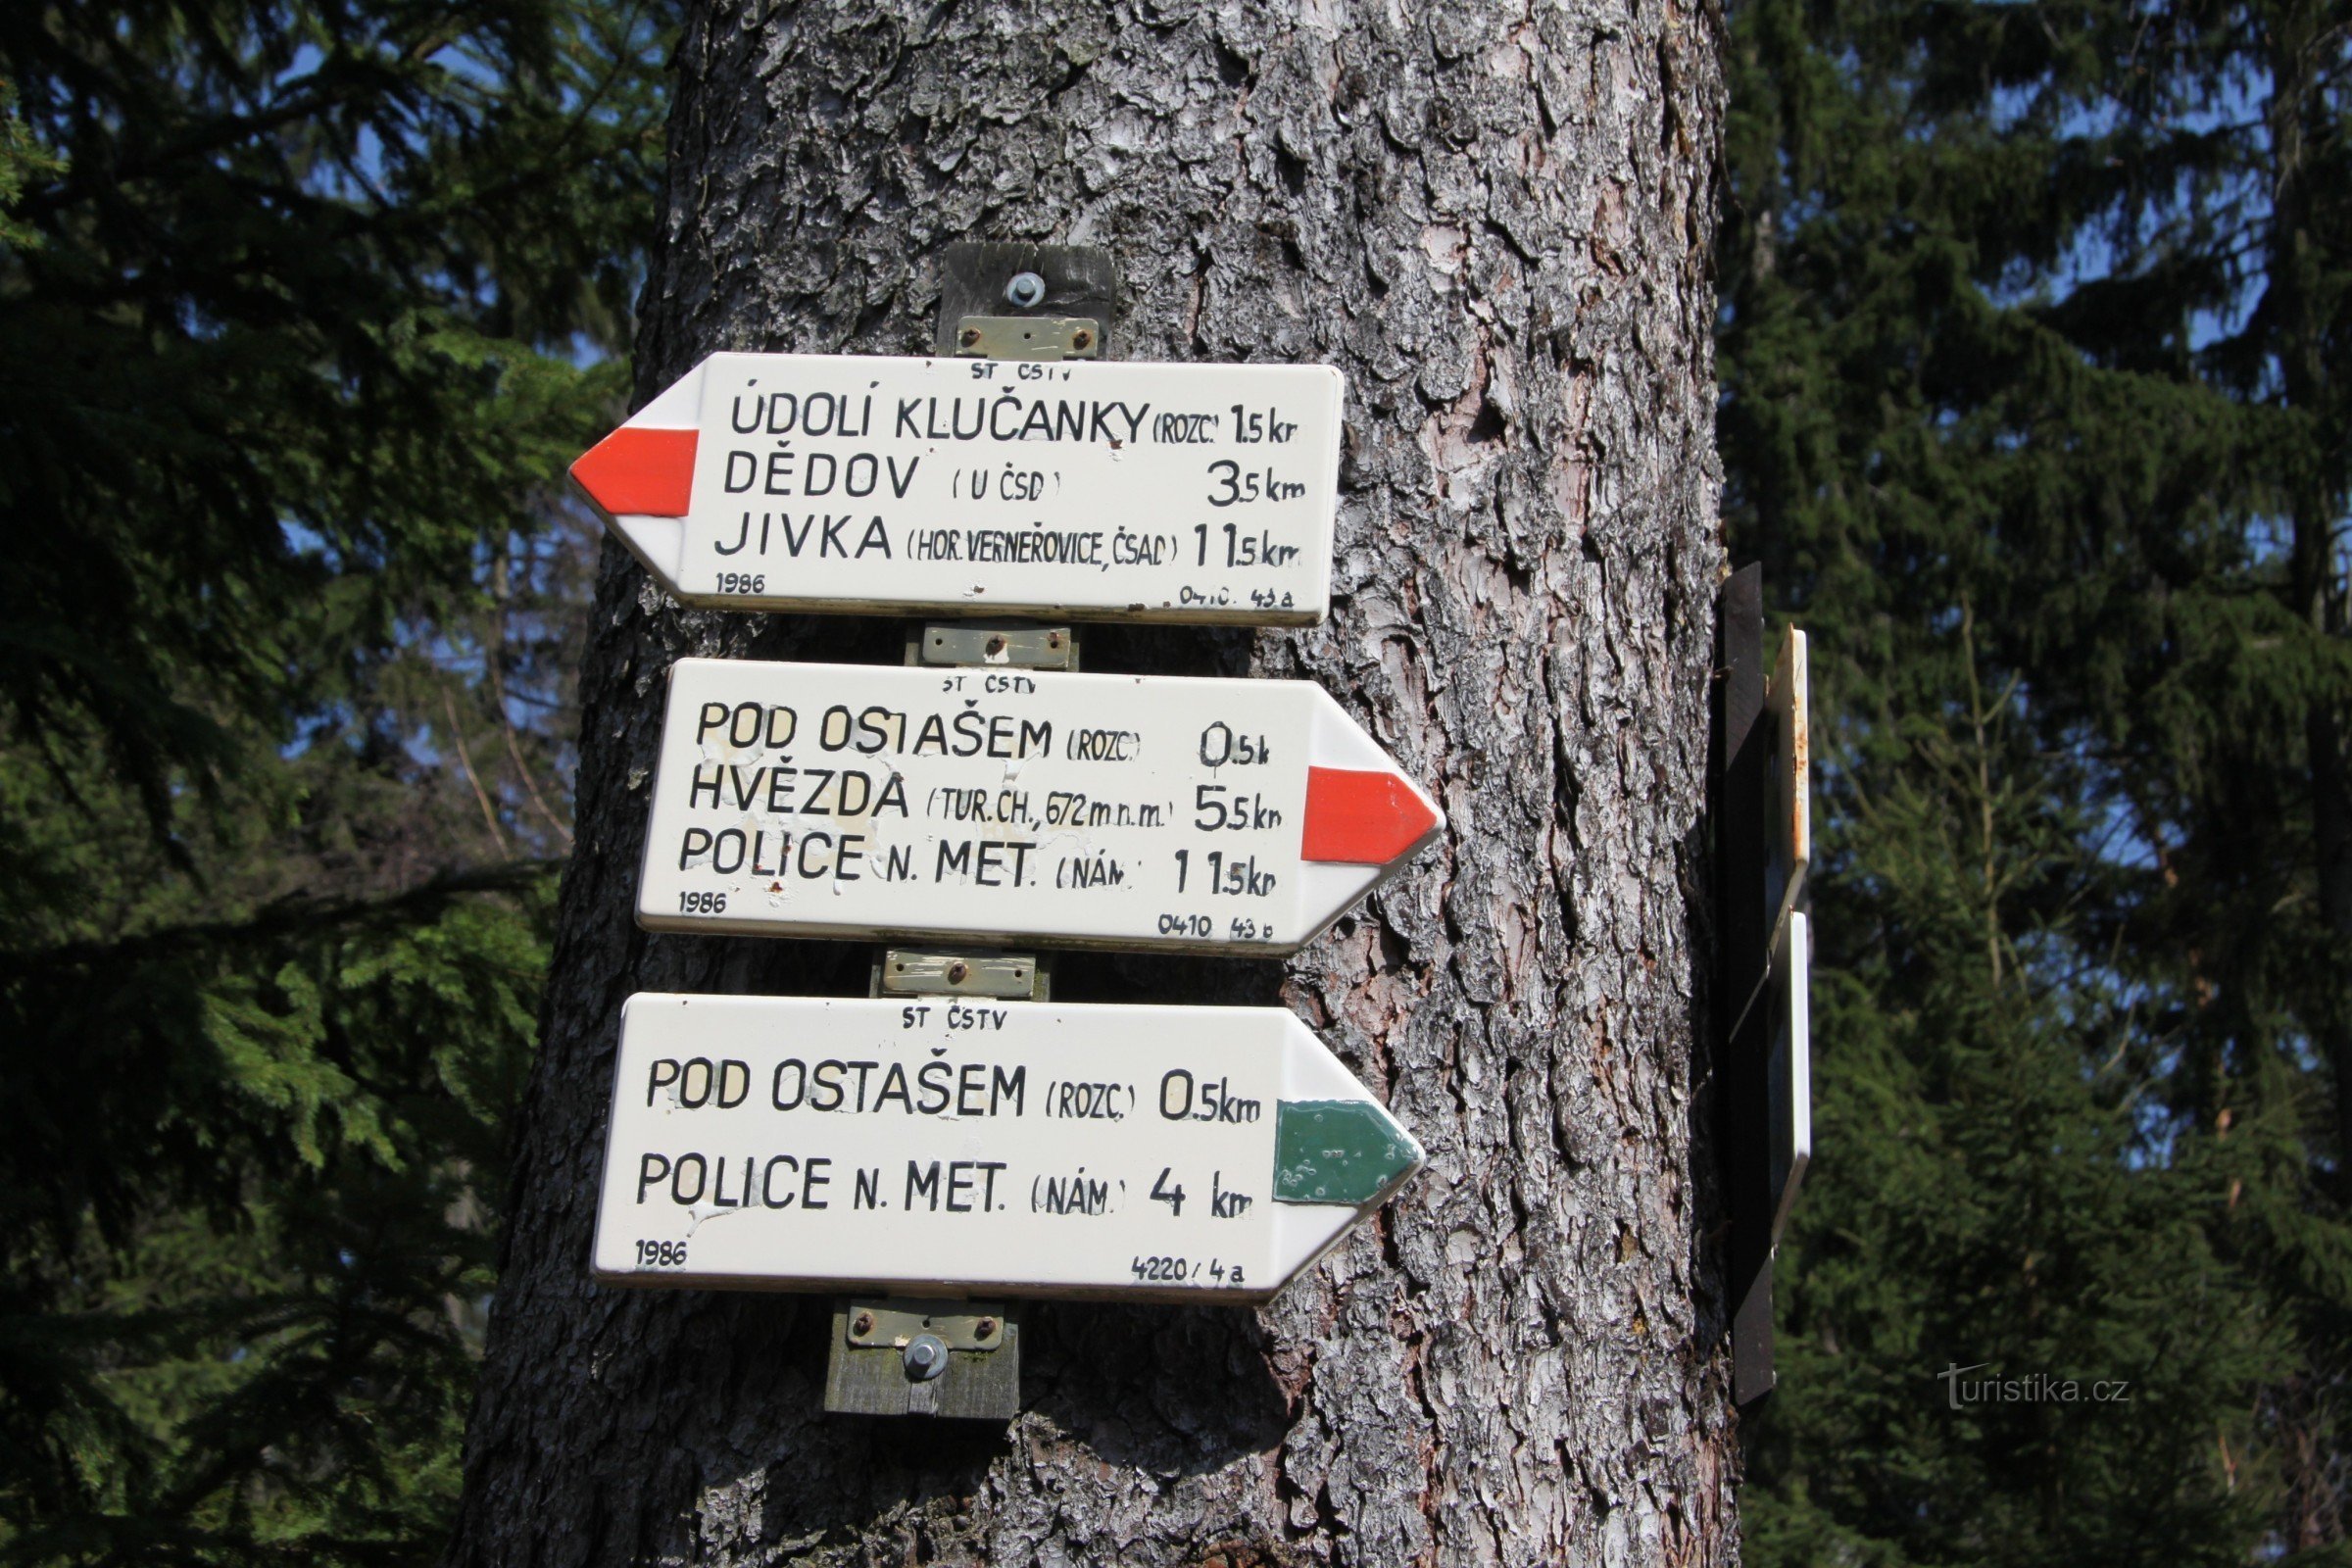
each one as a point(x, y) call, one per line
point(1789, 1065)
point(944, 1145)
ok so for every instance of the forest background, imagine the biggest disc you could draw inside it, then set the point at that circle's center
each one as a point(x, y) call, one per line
point(2034, 336)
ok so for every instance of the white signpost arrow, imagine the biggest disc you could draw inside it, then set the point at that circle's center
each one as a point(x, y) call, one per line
point(1122, 812)
point(1141, 492)
point(1788, 1073)
point(1019, 1148)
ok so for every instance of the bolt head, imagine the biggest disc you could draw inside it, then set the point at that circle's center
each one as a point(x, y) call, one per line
point(984, 1327)
point(970, 337)
point(862, 1323)
point(1026, 289)
point(926, 1356)
point(1082, 338)
point(959, 973)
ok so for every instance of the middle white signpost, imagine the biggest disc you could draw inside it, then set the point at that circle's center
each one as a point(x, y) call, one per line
point(1123, 812)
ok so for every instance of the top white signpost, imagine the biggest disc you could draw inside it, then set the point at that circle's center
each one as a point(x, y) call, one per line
point(1790, 850)
point(1197, 493)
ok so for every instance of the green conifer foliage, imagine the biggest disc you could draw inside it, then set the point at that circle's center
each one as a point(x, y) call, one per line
point(2035, 408)
point(303, 308)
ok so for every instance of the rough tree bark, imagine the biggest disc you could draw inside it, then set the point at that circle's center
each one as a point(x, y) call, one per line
point(1496, 222)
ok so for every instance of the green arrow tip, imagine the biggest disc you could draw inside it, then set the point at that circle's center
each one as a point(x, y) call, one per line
point(1344, 1152)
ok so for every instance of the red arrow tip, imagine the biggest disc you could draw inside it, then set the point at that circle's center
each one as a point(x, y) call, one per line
point(1362, 818)
point(639, 472)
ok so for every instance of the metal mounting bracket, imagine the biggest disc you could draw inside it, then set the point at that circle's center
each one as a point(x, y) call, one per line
point(1006, 645)
point(1029, 337)
point(893, 1356)
point(917, 972)
point(1025, 302)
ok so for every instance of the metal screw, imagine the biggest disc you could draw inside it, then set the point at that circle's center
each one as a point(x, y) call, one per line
point(1081, 338)
point(970, 338)
point(1025, 290)
point(996, 645)
point(984, 1327)
point(926, 1357)
point(1053, 639)
point(959, 973)
point(862, 1324)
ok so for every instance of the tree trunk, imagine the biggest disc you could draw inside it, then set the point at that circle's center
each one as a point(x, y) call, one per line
point(1498, 226)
